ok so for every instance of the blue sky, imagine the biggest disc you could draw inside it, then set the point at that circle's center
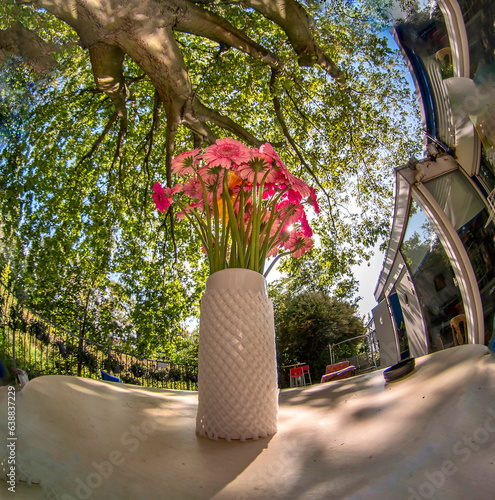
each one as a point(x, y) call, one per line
point(368, 273)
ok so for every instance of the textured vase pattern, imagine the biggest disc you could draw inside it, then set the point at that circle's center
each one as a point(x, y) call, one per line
point(237, 372)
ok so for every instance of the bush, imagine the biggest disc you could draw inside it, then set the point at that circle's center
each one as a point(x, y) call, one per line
point(111, 364)
point(38, 329)
point(65, 349)
point(159, 375)
point(138, 370)
point(128, 379)
point(16, 318)
point(87, 359)
point(306, 325)
point(175, 374)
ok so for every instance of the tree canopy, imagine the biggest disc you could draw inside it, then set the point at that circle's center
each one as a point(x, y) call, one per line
point(307, 324)
point(97, 97)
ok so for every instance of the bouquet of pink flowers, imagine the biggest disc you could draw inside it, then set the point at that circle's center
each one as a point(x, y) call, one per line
point(244, 203)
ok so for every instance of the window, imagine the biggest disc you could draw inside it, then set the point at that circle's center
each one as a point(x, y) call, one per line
point(469, 216)
point(433, 278)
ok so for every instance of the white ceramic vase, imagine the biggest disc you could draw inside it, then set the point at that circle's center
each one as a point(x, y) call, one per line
point(237, 366)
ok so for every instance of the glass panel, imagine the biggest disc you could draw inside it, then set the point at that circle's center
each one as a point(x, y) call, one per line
point(456, 197)
point(433, 278)
point(400, 326)
point(469, 215)
point(425, 43)
point(487, 174)
point(478, 18)
point(426, 34)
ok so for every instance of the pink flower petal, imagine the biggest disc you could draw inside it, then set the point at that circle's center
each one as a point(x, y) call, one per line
point(186, 163)
point(226, 151)
point(162, 200)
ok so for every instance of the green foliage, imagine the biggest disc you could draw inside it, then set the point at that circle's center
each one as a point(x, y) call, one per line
point(112, 364)
point(88, 359)
point(306, 324)
point(128, 379)
point(65, 350)
point(5, 275)
point(175, 374)
point(139, 370)
point(78, 225)
point(160, 375)
point(38, 329)
point(184, 348)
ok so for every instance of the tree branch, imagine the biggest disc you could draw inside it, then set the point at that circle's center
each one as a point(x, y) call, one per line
point(207, 114)
point(98, 141)
point(198, 21)
point(18, 40)
point(106, 61)
point(119, 156)
point(298, 26)
point(278, 112)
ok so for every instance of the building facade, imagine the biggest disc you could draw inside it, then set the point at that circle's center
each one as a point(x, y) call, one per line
point(437, 286)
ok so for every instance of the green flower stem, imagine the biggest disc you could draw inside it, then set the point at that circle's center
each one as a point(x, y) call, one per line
point(225, 235)
point(265, 249)
point(208, 225)
point(252, 241)
point(275, 260)
point(258, 221)
point(247, 246)
point(233, 255)
point(266, 231)
point(244, 230)
point(216, 217)
point(233, 221)
point(240, 196)
point(235, 249)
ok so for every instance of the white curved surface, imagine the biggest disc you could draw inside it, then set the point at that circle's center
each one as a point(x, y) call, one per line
point(237, 364)
point(237, 279)
point(432, 433)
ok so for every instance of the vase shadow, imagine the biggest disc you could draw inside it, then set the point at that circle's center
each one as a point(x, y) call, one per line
point(84, 438)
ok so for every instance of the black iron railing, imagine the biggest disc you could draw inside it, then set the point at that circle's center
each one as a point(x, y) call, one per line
point(32, 343)
point(361, 352)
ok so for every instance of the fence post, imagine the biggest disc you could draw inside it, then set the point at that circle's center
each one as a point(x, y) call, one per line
point(13, 348)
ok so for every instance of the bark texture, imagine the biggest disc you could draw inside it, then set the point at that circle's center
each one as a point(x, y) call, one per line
point(144, 31)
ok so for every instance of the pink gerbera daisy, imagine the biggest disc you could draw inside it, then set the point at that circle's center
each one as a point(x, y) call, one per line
point(303, 244)
point(258, 166)
point(211, 174)
point(312, 194)
point(162, 199)
point(186, 163)
point(226, 151)
point(298, 189)
point(293, 211)
point(268, 191)
point(273, 252)
point(288, 239)
point(281, 173)
point(192, 188)
point(308, 232)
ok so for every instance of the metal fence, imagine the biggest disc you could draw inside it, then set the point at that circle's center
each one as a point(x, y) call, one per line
point(32, 343)
point(368, 356)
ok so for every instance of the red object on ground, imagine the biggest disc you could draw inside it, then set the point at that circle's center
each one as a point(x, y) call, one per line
point(338, 371)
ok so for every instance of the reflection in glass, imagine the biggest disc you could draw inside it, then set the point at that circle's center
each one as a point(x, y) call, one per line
point(469, 215)
point(433, 277)
point(400, 326)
